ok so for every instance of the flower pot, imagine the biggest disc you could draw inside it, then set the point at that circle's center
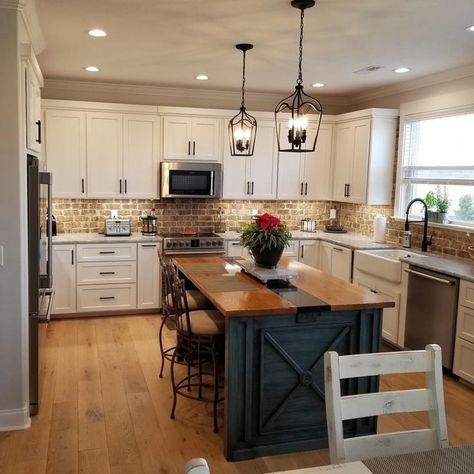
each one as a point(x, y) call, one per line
point(268, 258)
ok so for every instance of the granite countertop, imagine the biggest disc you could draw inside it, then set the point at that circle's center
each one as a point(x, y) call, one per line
point(350, 240)
point(454, 266)
point(96, 238)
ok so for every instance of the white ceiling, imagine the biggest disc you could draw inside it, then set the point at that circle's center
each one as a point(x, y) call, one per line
point(169, 42)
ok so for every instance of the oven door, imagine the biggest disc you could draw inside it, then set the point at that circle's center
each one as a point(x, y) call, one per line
point(190, 180)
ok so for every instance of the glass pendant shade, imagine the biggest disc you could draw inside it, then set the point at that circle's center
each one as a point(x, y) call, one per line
point(243, 126)
point(301, 112)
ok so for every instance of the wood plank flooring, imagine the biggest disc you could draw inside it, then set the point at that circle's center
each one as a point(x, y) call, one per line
point(104, 409)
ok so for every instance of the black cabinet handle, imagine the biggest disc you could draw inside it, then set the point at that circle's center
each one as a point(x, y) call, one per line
point(189, 147)
point(82, 185)
point(252, 187)
point(120, 185)
point(302, 251)
point(194, 148)
point(305, 189)
point(108, 252)
point(235, 244)
point(348, 190)
point(148, 245)
point(345, 190)
point(72, 257)
point(38, 124)
point(248, 187)
point(106, 273)
point(301, 190)
point(125, 186)
point(107, 298)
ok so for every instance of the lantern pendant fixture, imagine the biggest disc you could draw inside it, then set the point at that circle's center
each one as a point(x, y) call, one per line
point(242, 127)
point(299, 105)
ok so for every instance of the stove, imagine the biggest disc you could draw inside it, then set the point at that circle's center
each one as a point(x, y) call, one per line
point(198, 244)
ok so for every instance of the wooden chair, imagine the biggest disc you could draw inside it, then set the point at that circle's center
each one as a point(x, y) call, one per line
point(339, 408)
point(200, 340)
point(196, 301)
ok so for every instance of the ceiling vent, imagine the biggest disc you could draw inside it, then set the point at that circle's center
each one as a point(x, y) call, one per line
point(368, 70)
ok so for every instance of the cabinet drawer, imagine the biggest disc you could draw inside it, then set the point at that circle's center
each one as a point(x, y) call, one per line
point(91, 273)
point(464, 359)
point(106, 297)
point(466, 294)
point(106, 252)
point(234, 249)
point(465, 324)
point(293, 249)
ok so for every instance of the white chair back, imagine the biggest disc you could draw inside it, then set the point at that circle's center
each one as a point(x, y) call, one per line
point(197, 466)
point(339, 408)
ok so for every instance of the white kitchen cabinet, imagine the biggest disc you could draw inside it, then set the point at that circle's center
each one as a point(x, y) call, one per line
point(95, 298)
point(104, 155)
point(235, 249)
point(307, 175)
point(364, 156)
point(292, 251)
point(64, 279)
point(140, 156)
point(107, 252)
point(253, 177)
point(309, 252)
point(148, 276)
point(186, 138)
point(65, 150)
point(336, 260)
point(463, 365)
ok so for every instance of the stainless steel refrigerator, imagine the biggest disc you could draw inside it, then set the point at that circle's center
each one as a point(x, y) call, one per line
point(40, 294)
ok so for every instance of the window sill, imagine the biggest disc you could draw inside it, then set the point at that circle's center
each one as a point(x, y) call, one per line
point(456, 227)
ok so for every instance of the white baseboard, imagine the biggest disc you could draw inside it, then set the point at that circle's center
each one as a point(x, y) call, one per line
point(18, 419)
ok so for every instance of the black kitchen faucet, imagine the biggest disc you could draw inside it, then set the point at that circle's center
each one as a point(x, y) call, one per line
point(425, 242)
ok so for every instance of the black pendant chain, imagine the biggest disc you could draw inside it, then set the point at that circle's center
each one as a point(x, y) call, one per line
point(300, 73)
point(242, 105)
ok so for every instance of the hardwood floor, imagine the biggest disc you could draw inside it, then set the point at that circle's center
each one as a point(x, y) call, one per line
point(104, 409)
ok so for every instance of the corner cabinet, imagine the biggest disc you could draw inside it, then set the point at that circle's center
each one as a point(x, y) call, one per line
point(192, 138)
point(253, 177)
point(336, 261)
point(364, 156)
point(309, 252)
point(307, 175)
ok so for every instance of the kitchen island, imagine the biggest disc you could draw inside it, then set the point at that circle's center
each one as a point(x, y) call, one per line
point(275, 342)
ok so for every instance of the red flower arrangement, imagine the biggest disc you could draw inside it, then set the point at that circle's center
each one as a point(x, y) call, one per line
point(267, 221)
point(265, 233)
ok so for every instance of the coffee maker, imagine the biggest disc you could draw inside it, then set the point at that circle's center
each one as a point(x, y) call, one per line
point(149, 223)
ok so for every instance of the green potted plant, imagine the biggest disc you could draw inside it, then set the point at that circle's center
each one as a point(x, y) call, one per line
point(266, 238)
point(442, 204)
point(430, 200)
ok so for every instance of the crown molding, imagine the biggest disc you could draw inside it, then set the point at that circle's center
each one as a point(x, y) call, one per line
point(413, 84)
point(12, 4)
point(32, 25)
point(167, 95)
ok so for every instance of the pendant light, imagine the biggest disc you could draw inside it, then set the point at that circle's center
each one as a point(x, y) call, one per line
point(242, 127)
point(300, 106)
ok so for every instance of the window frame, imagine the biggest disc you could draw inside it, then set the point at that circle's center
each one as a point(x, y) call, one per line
point(399, 213)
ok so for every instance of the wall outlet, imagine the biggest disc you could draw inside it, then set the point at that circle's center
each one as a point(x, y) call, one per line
point(332, 214)
point(1, 256)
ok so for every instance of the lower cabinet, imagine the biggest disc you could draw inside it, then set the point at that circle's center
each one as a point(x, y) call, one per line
point(309, 252)
point(148, 276)
point(464, 359)
point(106, 297)
point(336, 261)
point(64, 279)
point(235, 249)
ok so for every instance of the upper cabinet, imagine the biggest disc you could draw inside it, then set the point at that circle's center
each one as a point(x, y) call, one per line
point(253, 177)
point(192, 138)
point(33, 81)
point(364, 156)
point(102, 155)
point(307, 175)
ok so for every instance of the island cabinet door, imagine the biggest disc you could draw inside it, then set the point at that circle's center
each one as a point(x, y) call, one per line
point(275, 399)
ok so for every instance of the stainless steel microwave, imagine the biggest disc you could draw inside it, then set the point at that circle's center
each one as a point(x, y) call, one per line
point(184, 179)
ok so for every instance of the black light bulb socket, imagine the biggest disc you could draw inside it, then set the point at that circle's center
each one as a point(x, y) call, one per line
point(303, 4)
point(244, 46)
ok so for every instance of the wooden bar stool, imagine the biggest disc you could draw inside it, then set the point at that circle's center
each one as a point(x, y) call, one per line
point(200, 340)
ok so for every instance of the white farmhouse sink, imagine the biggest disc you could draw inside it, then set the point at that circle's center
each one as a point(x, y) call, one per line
point(383, 263)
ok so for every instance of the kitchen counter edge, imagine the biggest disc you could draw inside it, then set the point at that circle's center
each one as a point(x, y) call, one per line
point(92, 238)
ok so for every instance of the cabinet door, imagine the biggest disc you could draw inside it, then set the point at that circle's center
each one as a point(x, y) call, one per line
point(236, 183)
point(391, 316)
point(234, 249)
point(148, 277)
point(65, 145)
point(206, 139)
point(325, 254)
point(263, 163)
point(341, 263)
point(140, 156)
point(360, 162)
point(64, 279)
point(33, 111)
point(317, 165)
point(343, 160)
point(309, 252)
point(176, 138)
point(104, 155)
point(463, 365)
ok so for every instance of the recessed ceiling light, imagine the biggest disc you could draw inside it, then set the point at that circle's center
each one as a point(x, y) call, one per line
point(91, 69)
point(96, 33)
point(202, 77)
point(470, 28)
point(318, 84)
point(401, 70)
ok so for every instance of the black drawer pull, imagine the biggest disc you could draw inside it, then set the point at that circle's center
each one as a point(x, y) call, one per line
point(107, 298)
point(108, 252)
point(148, 245)
point(107, 273)
point(235, 244)
point(38, 124)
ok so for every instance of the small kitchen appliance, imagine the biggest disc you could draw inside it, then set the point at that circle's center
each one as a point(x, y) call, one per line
point(118, 227)
point(149, 225)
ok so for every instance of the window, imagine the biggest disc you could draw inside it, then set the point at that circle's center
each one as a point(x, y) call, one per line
point(437, 165)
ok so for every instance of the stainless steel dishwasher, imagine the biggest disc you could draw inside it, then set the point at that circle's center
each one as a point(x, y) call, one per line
point(431, 311)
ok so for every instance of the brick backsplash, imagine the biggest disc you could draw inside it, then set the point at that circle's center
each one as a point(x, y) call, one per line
point(88, 215)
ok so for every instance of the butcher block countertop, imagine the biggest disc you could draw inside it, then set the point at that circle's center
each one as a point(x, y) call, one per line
point(236, 294)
